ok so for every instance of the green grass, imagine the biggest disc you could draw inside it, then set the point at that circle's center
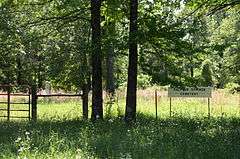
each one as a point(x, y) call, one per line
point(61, 133)
point(147, 138)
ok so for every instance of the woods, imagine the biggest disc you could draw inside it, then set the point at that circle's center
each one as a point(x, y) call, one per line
point(67, 43)
point(119, 79)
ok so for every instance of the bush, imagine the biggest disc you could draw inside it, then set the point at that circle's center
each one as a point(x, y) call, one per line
point(233, 87)
point(207, 73)
point(143, 81)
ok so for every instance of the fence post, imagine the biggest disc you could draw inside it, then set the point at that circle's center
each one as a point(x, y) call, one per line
point(29, 103)
point(34, 102)
point(156, 103)
point(209, 110)
point(85, 92)
point(8, 103)
point(170, 108)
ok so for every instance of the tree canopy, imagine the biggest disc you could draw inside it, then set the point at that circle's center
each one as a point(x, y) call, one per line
point(182, 42)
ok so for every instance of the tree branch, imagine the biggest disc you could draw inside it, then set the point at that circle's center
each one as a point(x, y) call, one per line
point(44, 20)
point(222, 6)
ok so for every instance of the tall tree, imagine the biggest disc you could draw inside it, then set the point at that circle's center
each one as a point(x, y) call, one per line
point(110, 88)
point(97, 106)
point(130, 113)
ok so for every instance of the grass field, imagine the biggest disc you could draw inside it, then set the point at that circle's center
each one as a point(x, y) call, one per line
point(61, 133)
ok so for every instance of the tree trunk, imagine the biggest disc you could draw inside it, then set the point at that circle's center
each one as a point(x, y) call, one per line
point(130, 113)
point(97, 107)
point(34, 102)
point(191, 71)
point(110, 69)
point(85, 91)
point(191, 67)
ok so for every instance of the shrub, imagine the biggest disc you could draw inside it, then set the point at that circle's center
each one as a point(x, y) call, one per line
point(143, 81)
point(207, 74)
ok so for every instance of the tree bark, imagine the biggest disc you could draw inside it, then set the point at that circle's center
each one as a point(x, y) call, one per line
point(110, 69)
point(34, 102)
point(97, 106)
point(85, 91)
point(130, 113)
point(191, 67)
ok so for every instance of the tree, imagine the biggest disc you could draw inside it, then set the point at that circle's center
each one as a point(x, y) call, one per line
point(97, 101)
point(224, 45)
point(131, 101)
point(48, 46)
point(207, 74)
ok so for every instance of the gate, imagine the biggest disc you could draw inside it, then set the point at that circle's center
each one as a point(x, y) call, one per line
point(6, 106)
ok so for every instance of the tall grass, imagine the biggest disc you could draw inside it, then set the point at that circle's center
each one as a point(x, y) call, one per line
point(60, 131)
point(147, 138)
point(222, 104)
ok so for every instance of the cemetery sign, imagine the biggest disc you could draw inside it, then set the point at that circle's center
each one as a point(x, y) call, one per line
point(203, 92)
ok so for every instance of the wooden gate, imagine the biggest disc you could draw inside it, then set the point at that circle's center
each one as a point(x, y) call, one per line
point(7, 94)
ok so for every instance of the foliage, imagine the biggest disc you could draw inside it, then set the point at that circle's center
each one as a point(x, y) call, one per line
point(144, 81)
point(50, 41)
point(232, 87)
point(207, 74)
point(224, 33)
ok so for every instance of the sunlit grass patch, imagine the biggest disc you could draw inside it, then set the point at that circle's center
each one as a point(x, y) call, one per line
point(60, 131)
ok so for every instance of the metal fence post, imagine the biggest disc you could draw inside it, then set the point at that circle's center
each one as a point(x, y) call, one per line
point(156, 103)
point(209, 110)
point(170, 109)
point(34, 103)
point(29, 103)
point(8, 103)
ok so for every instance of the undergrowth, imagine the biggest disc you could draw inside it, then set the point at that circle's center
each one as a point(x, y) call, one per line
point(176, 137)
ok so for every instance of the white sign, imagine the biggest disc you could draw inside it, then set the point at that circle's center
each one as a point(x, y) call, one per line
point(204, 92)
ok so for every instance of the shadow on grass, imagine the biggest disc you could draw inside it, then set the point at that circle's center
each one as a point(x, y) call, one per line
point(112, 138)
